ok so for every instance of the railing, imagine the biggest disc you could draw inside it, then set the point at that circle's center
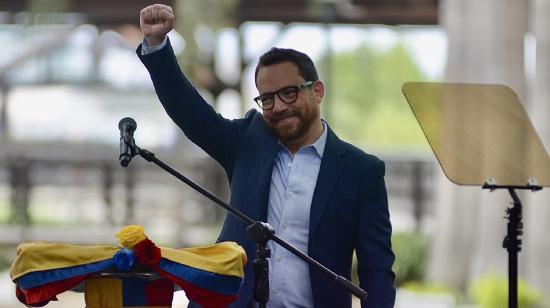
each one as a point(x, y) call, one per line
point(144, 194)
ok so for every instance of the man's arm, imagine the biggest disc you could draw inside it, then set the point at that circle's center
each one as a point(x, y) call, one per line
point(374, 254)
point(198, 120)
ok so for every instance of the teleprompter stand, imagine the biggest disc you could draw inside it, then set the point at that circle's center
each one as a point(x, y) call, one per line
point(512, 241)
point(482, 136)
point(259, 232)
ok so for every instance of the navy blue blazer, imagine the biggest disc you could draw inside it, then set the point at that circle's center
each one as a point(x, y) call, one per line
point(349, 210)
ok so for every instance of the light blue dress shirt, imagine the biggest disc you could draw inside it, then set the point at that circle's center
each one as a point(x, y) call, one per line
point(292, 185)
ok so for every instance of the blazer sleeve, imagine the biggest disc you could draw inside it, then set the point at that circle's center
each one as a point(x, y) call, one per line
point(186, 107)
point(374, 254)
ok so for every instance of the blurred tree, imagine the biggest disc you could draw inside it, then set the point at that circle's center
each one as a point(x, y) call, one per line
point(197, 21)
point(367, 103)
point(48, 5)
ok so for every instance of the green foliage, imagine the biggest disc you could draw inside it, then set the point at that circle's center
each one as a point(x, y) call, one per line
point(421, 287)
point(7, 255)
point(411, 251)
point(365, 98)
point(4, 212)
point(491, 291)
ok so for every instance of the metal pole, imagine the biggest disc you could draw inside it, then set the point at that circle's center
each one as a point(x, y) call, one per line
point(512, 243)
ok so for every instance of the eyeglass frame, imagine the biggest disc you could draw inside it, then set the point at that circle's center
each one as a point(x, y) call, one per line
point(303, 85)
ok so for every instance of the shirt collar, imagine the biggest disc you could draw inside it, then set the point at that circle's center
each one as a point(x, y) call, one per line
point(319, 145)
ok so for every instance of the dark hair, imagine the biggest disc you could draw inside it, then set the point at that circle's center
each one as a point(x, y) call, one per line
point(275, 55)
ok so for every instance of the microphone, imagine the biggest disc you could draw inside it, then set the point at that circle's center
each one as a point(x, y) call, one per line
point(127, 126)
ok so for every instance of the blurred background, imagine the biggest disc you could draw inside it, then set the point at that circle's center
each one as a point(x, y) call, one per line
point(69, 73)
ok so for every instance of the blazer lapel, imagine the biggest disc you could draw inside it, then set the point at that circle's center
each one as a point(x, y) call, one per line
point(263, 180)
point(331, 165)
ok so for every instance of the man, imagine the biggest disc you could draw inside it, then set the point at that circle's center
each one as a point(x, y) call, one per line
point(322, 195)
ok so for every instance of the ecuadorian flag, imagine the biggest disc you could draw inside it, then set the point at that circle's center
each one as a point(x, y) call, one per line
point(211, 276)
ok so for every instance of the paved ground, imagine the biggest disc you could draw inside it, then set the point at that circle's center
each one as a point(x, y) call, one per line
point(76, 300)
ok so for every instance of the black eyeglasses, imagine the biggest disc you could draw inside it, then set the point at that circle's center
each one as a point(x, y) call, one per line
point(287, 95)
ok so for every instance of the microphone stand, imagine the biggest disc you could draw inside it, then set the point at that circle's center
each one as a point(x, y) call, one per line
point(259, 232)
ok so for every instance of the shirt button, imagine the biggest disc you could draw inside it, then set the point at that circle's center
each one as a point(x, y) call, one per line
point(284, 226)
point(275, 291)
point(279, 259)
point(289, 164)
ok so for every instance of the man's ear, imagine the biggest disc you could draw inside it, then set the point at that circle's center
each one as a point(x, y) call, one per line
point(319, 88)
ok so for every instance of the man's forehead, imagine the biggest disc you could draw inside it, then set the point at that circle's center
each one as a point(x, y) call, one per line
point(278, 75)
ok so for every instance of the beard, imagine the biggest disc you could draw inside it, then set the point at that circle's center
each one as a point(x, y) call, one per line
point(292, 124)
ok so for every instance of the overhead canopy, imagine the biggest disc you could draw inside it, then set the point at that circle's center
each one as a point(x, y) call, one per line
point(103, 13)
point(109, 13)
point(394, 12)
point(479, 133)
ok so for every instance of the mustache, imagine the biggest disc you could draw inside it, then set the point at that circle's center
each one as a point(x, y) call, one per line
point(276, 117)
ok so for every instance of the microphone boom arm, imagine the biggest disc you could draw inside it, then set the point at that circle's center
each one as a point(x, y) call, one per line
point(259, 232)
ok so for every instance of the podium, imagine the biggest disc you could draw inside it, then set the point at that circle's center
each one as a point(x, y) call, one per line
point(482, 136)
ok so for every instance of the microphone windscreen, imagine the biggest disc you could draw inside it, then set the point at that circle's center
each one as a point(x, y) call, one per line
point(129, 121)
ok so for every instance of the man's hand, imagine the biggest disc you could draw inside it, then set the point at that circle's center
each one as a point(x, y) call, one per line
point(155, 22)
